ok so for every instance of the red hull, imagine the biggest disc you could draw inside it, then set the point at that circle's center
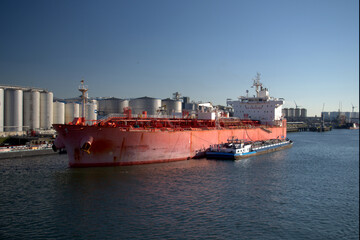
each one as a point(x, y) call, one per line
point(112, 146)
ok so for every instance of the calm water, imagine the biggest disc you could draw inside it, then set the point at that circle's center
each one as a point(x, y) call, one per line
point(310, 191)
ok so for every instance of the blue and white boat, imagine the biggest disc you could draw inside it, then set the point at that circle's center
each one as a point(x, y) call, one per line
point(238, 148)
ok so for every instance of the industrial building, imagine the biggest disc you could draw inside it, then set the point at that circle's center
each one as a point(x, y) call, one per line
point(294, 113)
point(23, 109)
point(349, 117)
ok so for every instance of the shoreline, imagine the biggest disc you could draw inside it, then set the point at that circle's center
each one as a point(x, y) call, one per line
point(27, 153)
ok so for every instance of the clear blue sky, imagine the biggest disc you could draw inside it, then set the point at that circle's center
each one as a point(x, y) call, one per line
point(306, 50)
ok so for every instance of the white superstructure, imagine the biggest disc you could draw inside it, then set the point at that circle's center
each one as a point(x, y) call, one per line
point(262, 107)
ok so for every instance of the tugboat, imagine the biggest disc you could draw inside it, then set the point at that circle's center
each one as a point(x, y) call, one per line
point(239, 148)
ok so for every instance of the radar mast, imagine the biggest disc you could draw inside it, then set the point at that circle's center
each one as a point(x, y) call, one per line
point(83, 89)
point(257, 83)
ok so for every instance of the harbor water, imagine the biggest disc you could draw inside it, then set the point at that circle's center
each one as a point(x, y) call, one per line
point(310, 191)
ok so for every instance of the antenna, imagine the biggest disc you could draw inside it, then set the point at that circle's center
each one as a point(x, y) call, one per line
point(257, 83)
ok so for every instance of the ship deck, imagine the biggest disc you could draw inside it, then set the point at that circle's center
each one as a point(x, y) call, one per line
point(171, 124)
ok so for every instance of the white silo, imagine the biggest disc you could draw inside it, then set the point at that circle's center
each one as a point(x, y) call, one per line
point(46, 110)
point(303, 113)
point(291, 112)
point(151, 105)
point(1, 110)
point(285, 112)
point(58, 113)
point(112, 105)
point(91, 111)
point(172, 106)
point(71, 111)
point(13, 110)
point(31, 109)
point(123, 103)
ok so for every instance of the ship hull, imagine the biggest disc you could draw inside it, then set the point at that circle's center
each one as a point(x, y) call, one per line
point(117, 146)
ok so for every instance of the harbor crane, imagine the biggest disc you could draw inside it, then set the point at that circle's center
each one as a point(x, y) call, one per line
point(353, 107)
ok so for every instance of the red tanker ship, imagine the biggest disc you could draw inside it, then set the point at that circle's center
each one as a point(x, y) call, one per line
point(127, 140)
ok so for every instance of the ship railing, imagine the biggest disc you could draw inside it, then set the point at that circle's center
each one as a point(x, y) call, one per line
point(120, 115)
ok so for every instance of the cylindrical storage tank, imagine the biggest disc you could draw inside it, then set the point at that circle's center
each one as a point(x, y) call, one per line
point(303, 113)
point(123, 103)
point(13, 110)
point(112, 105)
point(105, 106)
point(58, 113)
point(1, 110)
point(91, 111)
point(151, 105)
point(46, 110)
point(297, 112)
point(72, 110)
point(285, 112)
point(31, 110)
point(291, 112)
point(171, 106)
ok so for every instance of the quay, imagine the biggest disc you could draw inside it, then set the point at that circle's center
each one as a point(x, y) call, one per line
point(25, 146)
point(26, 153)
point(304, 127)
